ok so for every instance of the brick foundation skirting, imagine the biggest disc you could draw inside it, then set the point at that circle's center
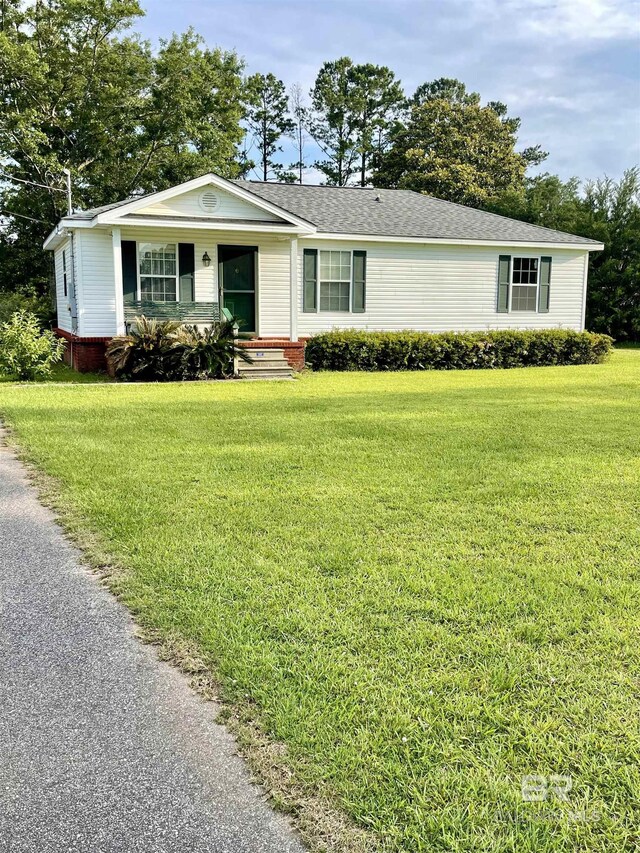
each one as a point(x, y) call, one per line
point(87, 355)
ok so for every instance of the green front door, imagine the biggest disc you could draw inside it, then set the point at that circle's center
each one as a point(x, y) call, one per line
point(237, 271)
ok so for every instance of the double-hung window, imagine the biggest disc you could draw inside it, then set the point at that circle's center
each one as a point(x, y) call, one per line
point(524, 284)
point(158, 272)
point(335, 280)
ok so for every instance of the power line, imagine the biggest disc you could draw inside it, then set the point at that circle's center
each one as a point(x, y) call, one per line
point(32, 183)
point(23, 216)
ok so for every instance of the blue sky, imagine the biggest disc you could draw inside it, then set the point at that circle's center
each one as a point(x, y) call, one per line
point(569, 68)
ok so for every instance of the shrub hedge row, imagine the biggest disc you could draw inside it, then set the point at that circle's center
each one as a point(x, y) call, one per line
point(354, 350)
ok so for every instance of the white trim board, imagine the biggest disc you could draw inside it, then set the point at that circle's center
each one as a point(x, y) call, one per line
point(59, 233)
point(210, 179)
point(446, 241)
point(210, 225)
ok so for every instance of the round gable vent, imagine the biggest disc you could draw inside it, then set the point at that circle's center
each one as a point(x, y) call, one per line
point(209, 201)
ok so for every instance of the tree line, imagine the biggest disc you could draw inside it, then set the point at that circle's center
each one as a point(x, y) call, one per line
point(81, 91)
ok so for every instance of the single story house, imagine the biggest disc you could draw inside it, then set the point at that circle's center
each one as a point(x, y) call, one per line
point(289, 261)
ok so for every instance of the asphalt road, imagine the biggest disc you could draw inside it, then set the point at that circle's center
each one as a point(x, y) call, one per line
point(103, 747)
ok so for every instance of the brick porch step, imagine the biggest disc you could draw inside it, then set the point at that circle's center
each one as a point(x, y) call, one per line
point(293, 350)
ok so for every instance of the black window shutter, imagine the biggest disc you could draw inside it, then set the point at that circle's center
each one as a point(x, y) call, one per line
point(310, 280)
point(504, 280)
point(186, 271)
point(358, 282)
point(64, 271)
point(129, 271)
point(545, 285)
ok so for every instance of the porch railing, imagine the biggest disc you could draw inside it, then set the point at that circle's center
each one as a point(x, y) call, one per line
point(185, 312)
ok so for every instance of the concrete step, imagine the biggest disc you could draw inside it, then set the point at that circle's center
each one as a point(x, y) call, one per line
point(254, 376)
point(266, 376)
point(280, 367)
point(265, 354)
point(266, 362)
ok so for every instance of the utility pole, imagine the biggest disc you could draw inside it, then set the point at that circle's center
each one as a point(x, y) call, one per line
point(67, 175)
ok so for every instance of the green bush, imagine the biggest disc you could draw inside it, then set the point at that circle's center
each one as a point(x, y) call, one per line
point(165, 351)
point(209, 354)
point(13, 301)
point(26, 351)
point(354, 350)
point(146, 353)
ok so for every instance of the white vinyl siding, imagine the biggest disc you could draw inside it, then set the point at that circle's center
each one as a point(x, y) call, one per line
point(62, 300)
point(95, 291)
point(423, 287)
point(273, 281)
point(446, 288)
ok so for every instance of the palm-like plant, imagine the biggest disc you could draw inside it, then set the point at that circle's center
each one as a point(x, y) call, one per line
point(211, 352)
point(146, 353)
point(164, 350)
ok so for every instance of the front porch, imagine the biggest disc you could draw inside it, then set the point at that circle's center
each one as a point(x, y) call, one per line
point(87, 354)
point(196, 313)
point(193, 275)
point(205, 313)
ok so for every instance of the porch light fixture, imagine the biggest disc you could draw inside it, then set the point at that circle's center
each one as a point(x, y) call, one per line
point(206, 260)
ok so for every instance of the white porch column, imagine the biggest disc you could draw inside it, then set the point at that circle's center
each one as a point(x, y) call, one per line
point(117, 281)
point(293, 295)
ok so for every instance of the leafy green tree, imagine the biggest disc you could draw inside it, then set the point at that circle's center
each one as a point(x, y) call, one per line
point(543, 200)
point(454, 148)
point(192, 117)
point(26, 299)
point(455, 93)
point(444, 89)
point(379, 100)
point(610, 212)
point(78, 93)
point(353, 107)
point(332, 121)
point(268, 119)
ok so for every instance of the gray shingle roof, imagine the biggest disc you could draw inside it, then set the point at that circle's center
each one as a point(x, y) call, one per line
point(95, 211)
point(386, 213)
point(400, 213)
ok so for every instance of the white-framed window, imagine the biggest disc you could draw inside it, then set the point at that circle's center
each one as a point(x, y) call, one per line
point(334, 280)
point(157, 272)
point(525, 280)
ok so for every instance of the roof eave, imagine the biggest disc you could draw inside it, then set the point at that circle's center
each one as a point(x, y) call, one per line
point(209, 225)
point(449, 241)
point(56, 236)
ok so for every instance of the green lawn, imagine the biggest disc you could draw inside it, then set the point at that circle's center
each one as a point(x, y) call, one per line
point(63, 373)
point(424, 585)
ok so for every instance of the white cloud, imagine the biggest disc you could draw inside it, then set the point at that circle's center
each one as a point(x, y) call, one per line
point(565, 20)
point(583, 20)
point(568, 68)
point(534, 98)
